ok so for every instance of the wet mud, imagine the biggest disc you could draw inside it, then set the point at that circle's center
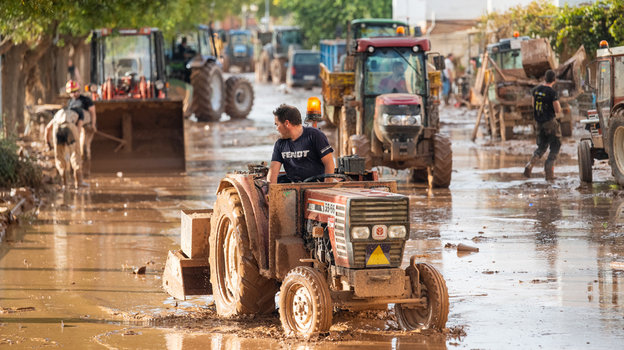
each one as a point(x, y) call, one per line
point(548, 272)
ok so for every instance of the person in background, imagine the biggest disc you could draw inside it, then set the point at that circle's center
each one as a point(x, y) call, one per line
point(448, 74)
point(304, 151)
point(545, 109)
point(86, 121)
point(61, 135)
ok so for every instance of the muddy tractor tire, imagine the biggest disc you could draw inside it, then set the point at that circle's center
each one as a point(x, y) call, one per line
point(433, 290)
point(305, 303)
point(264, 68)
point(585, 161)
point(278, 71)
point(616, 146)
point(238, 288)
point(442, 161)
point(208, 94)
point(239, 97)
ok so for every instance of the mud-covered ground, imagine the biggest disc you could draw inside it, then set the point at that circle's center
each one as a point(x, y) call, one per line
point(546, 274)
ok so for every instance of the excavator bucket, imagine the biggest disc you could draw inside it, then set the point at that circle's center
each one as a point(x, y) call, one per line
point(138, 136)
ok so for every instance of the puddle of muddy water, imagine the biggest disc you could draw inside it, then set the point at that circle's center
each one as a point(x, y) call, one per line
point(543, 275)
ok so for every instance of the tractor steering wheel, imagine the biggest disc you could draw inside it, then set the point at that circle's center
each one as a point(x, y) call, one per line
point(325, 176)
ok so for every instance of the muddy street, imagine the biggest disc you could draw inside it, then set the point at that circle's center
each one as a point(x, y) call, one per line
point(546, 274)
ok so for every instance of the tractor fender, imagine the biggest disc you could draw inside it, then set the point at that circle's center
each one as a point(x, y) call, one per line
point(618, 106)
point(199, 61)
point(255, 216)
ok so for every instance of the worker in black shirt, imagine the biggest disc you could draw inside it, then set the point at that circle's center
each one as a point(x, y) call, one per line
point(304, 151)
point(545, 109)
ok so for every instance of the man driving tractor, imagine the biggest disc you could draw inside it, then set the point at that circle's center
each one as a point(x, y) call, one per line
point(304, 151)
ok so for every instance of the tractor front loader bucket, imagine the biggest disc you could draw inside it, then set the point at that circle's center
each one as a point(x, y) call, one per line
point(185, 276)
point(138, 136)
point(187, 271)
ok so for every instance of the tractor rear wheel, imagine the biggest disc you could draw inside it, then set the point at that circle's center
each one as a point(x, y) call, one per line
point(278, 71)
point(442, 161)
point(305, 303)
point(238, 288)
point(239, 97)
point(616, 146)
point(585, 161)
point(433, 290)
point(208, 96)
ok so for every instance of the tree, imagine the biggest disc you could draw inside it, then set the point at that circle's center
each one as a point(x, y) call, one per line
point(320, 19)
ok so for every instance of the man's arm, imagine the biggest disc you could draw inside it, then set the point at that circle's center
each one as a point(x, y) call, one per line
point(328, 162)
point(274, 169)
point(557, 107)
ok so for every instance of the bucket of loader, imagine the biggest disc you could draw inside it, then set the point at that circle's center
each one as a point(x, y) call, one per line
point(187, 271)
point(138, 136)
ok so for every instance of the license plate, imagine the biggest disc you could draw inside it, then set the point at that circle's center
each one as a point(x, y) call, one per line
point(309, 77)
point(378, 255)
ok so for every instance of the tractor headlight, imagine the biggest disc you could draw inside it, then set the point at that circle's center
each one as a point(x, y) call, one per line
point(397, 231)
point(360, 232)
point(399, 119)
point(159, 85)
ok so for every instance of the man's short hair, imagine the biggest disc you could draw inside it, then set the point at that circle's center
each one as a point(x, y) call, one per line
point(286, 112)
point(550, 76)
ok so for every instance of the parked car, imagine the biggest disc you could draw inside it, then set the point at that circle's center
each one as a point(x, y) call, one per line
point(303, 68)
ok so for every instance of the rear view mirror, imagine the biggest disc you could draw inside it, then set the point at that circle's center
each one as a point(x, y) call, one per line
point(438, 62)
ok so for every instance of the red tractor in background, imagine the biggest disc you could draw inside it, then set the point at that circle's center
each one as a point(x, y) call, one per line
point(323, 245)
point(139, 128)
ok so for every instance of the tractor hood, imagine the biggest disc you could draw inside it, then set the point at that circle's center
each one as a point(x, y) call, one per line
point(398, 117)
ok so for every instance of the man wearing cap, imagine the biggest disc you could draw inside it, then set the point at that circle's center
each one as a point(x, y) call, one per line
point(304, 151)
point(86, 121)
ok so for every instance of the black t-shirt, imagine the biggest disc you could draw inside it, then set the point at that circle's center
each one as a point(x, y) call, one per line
point(80, 104)
point(302, 158)
point(543, 99)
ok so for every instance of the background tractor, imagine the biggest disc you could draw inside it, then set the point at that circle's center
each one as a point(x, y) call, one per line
point(237, 50)
point(606, 123)
point(139, 127)
point(211, 96)
point(324, 246)
point(397, 128)
point(273, 60)
point(520, 64)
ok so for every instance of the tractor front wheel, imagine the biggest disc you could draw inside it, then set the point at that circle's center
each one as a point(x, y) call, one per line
point(305, 303)
point(238, 288)
point(585, 161)
point(433, 290)
point(442, 161)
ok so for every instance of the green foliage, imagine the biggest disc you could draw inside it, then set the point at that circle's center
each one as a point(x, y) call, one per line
point(589, 24)
point(16, 171)
point(320, 19)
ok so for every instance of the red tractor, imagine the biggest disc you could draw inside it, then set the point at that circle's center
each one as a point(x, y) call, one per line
point(324, 246)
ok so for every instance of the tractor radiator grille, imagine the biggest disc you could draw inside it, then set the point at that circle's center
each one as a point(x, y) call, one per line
point(379, 212)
